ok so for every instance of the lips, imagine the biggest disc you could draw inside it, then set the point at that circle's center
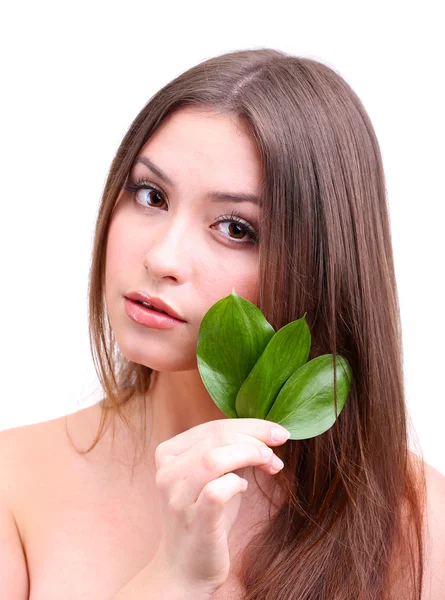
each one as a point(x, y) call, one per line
point(152, 307)
point(156, 303)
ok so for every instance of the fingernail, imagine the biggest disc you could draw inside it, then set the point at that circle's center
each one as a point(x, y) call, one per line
point(280, 435)
point(266, 452)
point(277, 463)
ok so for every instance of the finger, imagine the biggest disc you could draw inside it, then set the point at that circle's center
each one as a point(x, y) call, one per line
point(210, 465)
point(210, 441)
point(176, 468)
point(260, 429)
point(213, 498)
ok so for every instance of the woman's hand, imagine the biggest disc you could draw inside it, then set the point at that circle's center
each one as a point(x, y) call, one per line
point(200, 493)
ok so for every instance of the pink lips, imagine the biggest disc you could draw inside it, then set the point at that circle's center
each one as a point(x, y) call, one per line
point(141, 296)
point(149, 318)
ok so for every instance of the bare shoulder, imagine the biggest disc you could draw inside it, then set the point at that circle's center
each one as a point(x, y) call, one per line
point(23, 448)
point(24, 442)
point(434, 584)
point(434, 530)
point(35, 453)
point(29, 455)
point(19, 441)
point(16, 446)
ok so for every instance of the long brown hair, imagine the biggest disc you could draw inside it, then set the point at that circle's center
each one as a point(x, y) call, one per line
point(351, 523)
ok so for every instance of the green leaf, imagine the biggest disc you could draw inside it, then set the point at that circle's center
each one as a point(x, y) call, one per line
point(232, 336)
point(305, 404)
point(286, 352)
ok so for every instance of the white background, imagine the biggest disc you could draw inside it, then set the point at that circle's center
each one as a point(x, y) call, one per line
point(73, 78)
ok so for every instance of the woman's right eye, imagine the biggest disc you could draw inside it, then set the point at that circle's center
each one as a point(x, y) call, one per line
point(137, 188)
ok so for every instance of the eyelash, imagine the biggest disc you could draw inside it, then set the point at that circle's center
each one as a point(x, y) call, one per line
point(233, 217)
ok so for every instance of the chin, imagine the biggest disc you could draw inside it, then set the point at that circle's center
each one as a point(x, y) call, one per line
point(158, 358)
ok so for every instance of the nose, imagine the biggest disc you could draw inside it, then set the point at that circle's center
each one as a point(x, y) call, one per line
point(169, 251)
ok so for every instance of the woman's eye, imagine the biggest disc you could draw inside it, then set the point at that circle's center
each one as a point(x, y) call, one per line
point(149, 196)
point(137, 190)
point(238, 229)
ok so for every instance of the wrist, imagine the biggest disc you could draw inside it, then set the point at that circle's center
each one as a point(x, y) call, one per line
point(178, 584)
point(174, 584)
point(156, 581)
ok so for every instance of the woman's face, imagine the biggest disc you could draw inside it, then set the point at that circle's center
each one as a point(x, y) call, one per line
point(168, 241)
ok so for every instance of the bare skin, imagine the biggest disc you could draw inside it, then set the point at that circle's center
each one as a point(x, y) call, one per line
point(173, 244)
point(86, 526)
point(79, 535)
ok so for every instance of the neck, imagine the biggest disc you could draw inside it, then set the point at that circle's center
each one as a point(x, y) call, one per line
point(178, 401)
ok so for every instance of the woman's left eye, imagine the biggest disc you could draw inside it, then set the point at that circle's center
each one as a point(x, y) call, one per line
point(136, 187)
point(237, 225)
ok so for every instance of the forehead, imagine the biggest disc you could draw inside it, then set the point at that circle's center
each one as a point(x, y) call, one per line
point(201, 141)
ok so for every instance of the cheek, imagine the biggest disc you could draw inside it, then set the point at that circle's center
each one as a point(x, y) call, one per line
point(241, 275)
point(113, 257)
point(122, 246)
point(248, 288)
point(118, 254)
point(245, 281)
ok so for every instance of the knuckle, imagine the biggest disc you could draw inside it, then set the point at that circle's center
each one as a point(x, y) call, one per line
point(211, 461)
point(211, 496)
point(264, 453)
point(162, 480)
point(262, 430)
point(215, 440)
point(174, 506)
point(159, 453)
point(220, 438)
point(214, 428)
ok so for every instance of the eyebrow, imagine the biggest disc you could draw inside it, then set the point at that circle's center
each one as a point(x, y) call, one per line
point(213, 196)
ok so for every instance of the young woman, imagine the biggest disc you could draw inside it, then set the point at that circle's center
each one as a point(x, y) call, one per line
point(258, 171)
